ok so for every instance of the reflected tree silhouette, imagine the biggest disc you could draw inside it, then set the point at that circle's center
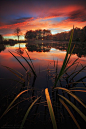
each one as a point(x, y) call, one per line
point(17, 32)
point(1, 38)
point(20, 51)
point(80, 48)
point(38, 48)
point(2, 47)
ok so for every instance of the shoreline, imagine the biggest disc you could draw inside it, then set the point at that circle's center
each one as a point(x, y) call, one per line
point(51, 41)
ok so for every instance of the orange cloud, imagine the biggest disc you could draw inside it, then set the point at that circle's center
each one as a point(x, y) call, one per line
point(46, 20)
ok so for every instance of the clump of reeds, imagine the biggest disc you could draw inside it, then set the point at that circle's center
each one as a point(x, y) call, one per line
point(62, 98)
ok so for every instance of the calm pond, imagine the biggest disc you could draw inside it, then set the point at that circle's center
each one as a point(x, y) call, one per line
point(47, 59)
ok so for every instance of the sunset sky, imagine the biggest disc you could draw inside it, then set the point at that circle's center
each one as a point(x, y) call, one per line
point(55, 15)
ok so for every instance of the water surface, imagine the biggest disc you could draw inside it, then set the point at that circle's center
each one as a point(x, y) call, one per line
point(44, 57)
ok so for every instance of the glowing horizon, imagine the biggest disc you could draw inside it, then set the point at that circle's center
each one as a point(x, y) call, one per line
point(57, 16)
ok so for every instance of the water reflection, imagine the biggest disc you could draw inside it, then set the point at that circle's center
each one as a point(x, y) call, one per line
point(80, 48)
point(2, 47)
point(38, 47)
point(20, 51)
point(44, 58)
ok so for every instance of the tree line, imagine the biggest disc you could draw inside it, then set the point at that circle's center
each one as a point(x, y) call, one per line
point(79, 35)
point(38, 34)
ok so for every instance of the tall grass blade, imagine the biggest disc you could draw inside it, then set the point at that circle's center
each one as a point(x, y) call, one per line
point(13, 70)
point(14, 73)
point(71, 74)
point(70, 103)
point(28, 113)
point(79, 90)
point(78, 72)
point(18, 61)
point(18, 103)
point(71, 64)
point(79, 80)
point(70, 113)
point(30, 59)
point(65, 60)
point(69, 55)
point(74, 83)
point(50, 108)
point(29, 65)
point(74, 96)
point(12, 102)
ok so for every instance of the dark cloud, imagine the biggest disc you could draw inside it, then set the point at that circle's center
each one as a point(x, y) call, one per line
point(19, 20)
point(5, 31)
point(79, 15)
point(14, 13)
point(33, 8)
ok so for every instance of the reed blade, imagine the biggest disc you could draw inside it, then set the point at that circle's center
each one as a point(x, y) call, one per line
point(26, 114)
point(69, 55)
point(29, 65)
point(12, 71)
point(79, 80)
point(65, 60)
point(79, 90)
point(77, 110)
point(70, 113)
point(74, 96)
point(50, 108)
point(71, 64)
point(30, 59)
point(78, 72)
point(12, 103)
point(18, 61)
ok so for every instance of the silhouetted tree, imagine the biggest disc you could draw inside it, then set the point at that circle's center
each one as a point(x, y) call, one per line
point(79, 35)
point(17, 32)
point(1, 38)
point(39, 33)
point(30, 35)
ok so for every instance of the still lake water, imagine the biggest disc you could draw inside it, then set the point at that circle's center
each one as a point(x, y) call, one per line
point(44, 58)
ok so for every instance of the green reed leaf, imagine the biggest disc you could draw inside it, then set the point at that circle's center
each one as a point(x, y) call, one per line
point(18, 61)
point(74, 96)
point(79, 90)
point(28, 64)
point(70, 113)
point(77, 110)
point(26, 114)
point(13, 102)
point(29, 58)
point(65, 60)
point(79, 80)
point(12, 71)
point(50, 108)
point(78, 72)
point(71, 64)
